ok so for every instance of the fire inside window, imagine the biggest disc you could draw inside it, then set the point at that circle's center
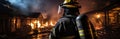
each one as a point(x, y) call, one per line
point(114, 16)
point(98, 18)
point(34, 23)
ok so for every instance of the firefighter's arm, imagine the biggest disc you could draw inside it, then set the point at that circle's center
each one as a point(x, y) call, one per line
point(55, 31)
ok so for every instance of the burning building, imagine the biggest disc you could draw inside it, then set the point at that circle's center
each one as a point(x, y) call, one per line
point(12, 22)
point(35, 21)
point(6, 13)
point(107, 21)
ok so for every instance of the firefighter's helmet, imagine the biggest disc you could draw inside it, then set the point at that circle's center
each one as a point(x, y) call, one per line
point(70, 4)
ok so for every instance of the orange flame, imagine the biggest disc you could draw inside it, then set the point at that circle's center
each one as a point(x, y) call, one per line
point(51, 23)
point(38, 24)
point(46, 24)
point(32, 25)
point(98, 27)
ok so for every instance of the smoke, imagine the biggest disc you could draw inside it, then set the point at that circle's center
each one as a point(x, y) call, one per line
point(27, 6)
point(51, 6)
point(47, 5)
point(89, 5)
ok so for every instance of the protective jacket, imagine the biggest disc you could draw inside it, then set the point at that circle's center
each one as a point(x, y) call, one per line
point(65, 29)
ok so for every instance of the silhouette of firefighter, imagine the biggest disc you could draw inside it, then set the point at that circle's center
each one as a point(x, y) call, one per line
point(72, 25)
point(66, 27)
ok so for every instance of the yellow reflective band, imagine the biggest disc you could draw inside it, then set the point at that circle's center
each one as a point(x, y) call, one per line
point(81, 32)
point(69, 6)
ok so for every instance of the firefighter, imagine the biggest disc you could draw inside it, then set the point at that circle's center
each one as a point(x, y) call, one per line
point(66, 27)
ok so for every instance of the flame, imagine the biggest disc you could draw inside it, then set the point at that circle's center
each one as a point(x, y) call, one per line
point(14, 20)
point(42, 27)
point(46, 24)
point(35, 21)
point(38, 24)
point(51, 23)
point(98, 16)
point(98, 27)
point(32, 25)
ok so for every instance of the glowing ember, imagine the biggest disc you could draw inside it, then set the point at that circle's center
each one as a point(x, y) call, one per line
point(98, 16)
point(98, 27)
